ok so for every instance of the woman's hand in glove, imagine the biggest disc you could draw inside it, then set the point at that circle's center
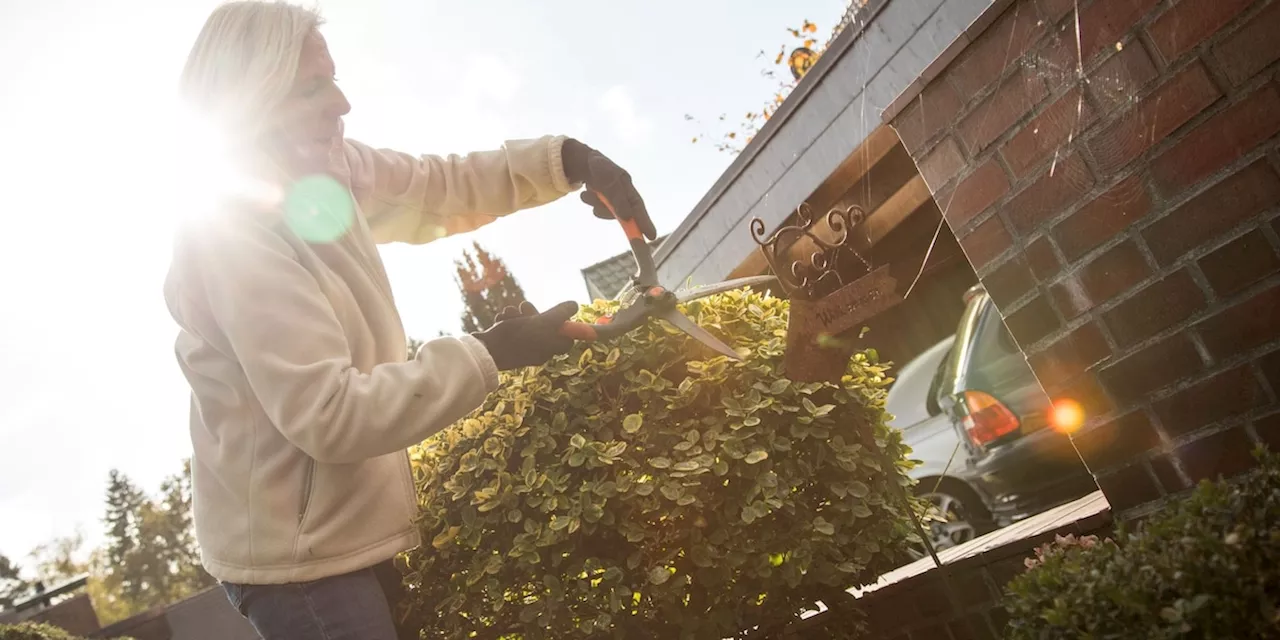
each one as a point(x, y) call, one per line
point(590, 167)
point(525, 338)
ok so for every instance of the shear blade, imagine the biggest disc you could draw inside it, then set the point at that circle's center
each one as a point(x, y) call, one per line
point(683, 323)
point(720, 287)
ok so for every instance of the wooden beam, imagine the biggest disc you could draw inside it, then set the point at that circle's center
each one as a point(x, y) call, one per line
point(854, 168)
point(872, 150)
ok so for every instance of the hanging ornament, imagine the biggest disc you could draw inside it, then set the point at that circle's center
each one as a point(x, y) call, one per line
point(800, 61)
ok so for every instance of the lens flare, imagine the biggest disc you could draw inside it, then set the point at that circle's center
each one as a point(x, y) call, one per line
point(319, 209)
point(1067, 416)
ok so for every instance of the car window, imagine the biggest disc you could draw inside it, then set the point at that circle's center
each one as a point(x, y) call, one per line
point(909, 397)
point(993, 341)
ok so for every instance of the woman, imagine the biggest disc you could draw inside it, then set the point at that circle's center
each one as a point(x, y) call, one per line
point(303, 403)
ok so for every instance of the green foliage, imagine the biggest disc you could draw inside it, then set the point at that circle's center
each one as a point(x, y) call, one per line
point(12, 584)
point(37, 631)
point(151, 557)
point(1207, 568)
point(487, 288)
point(649, 488)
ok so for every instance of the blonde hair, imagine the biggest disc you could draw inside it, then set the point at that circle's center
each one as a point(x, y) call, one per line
point(243, 63)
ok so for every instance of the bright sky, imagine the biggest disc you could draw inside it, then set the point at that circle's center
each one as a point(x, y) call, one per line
point(88, 380)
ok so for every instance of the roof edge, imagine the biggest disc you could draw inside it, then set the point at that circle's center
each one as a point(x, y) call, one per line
point(793, 102)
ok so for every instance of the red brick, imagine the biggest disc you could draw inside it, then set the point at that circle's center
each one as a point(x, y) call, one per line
point(984, 243)
point(974, 625)
point(929, 113)
point(1000, 46)
point(1189, 22)
point(1239, 263)
point(1114, 272)
point(1221, 455)
point(1166, 475)
point(1070, 297)
point(1042, 259)
point(1117, 441)
point(1252, 48)
point(1052, 192)
point(1089, 393)
point(1071, 355)
point(1269, 364)
point(1151, 369)
point(1102, 25)
point(1226, 394)
point(974, 194)
point(1129, 487)
point(1055, 10)
point(1032, 322)
point(989, 120)
point(1155, 308)
point(1243, 327)
point(942, 164)
point(1104, 218)
point(1115, 82)
point(1008, 282)
point(1045, 134)
point(1268, 430)
point(1158, 115)
point(1218, 141)
point(1222, 207)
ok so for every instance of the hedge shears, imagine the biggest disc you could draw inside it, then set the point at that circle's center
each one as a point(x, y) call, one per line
point(646, 298)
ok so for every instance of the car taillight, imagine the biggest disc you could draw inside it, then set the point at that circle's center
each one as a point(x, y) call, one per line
point(987, 419)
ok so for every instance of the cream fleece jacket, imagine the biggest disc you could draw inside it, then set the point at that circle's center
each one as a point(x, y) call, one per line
point(303, 403)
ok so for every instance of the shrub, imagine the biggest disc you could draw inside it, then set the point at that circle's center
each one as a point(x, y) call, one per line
point(1207, 568)
point(36, 631)
point(650, 488)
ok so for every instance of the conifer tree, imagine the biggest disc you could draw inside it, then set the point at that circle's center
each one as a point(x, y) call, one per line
point(487, 287)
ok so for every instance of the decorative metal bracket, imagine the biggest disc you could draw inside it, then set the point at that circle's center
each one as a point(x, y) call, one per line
point(820, 274)
point(825, 309)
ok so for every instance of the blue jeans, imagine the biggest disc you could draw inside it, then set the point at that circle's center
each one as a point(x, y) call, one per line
point(353, 606)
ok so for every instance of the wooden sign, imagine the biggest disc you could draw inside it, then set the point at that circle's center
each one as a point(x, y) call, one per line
point(819, 343)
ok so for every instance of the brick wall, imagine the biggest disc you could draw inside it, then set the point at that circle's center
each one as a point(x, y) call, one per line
point(1116, 188)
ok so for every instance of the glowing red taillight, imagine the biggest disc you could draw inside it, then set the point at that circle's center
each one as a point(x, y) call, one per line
point(987, 419)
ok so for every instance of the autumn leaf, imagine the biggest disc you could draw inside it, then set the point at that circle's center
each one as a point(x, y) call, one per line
point(808, 44)
point(809, 27)
point(794, 32)
point(781, 52)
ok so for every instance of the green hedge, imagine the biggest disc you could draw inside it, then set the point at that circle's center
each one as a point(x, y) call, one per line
point(650, 488)
point(1209, 567)
point(37, 631)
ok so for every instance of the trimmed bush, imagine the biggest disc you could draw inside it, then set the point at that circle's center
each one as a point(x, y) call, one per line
point(649, 488)
point(1208, 568)
point(36, 631)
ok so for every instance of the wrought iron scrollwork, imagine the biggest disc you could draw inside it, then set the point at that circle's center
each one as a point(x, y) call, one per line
point(820, 273)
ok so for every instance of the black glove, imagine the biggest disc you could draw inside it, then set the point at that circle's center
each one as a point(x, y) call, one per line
point(590, 167)
point(525, 338)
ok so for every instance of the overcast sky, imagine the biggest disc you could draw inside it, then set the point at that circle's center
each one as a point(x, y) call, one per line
point(88, 380)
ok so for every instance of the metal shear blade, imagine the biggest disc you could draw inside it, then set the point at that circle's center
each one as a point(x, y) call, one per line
point(694, 293)
point(683, 323)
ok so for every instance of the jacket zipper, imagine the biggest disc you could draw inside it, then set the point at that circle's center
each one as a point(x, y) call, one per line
point(306, 489)
point(412, 494)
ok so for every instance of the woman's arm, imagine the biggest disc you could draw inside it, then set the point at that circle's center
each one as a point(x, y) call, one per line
point(242, 290)
point(417, 199)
